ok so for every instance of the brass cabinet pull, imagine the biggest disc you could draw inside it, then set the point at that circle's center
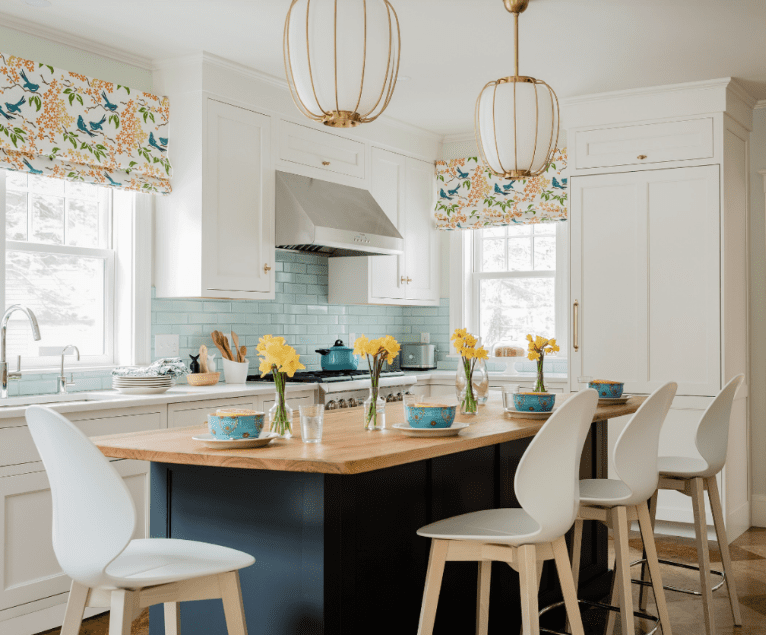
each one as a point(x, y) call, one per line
point(266, 268)
point(576, 325)
point(403, 280)
point(641, 157)
point(325, 163)
point(409, 280)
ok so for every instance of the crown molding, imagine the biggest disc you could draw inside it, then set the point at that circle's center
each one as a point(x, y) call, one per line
point(761, 103)
point(460, 137)
point(279, 82)
point(76, 42)
point(722, 82)
point(740, 92)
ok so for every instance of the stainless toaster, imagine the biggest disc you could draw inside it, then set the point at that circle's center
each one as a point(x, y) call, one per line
point(418, 357)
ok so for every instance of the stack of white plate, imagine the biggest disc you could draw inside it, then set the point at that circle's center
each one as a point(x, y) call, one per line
point(142, 385)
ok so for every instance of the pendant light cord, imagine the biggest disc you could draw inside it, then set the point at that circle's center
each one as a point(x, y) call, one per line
point(516, 41)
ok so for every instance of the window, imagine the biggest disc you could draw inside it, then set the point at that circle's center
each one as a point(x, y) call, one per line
point(60, 263)
point(516, 283)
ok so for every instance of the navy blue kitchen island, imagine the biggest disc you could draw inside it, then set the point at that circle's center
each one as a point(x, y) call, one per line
point(332, 526)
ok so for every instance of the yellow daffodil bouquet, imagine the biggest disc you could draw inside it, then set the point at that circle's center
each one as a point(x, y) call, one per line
point(377, 352)
point(280, 359)
point(470, 352)
point(537, 349)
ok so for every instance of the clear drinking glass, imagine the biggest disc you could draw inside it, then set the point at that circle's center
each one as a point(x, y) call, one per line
point(583, 382)
point(312, 420)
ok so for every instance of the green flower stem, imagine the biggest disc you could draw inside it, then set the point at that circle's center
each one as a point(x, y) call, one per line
point(281, 423)
point(540, 384)
point(469, 404)
point(375, 365)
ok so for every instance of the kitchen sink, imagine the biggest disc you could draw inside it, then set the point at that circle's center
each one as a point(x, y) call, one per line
point(18, 402)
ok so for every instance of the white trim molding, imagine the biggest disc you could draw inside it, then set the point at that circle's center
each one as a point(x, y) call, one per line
point(75, 41)
point(758, 510)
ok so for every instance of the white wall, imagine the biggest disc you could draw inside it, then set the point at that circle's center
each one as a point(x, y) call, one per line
point(758, 318)
point(68, 58)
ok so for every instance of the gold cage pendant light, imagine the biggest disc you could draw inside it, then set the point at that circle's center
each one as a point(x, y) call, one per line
point(517, 119)
point(341, 59)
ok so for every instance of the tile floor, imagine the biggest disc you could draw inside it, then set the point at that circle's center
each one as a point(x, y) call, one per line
point(748, 553)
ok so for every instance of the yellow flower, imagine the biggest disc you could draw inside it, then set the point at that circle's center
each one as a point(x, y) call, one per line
point(481, 353)
point(533, 355)
point(266, 339)
point(360, 346)
point(459, 334)
point(469, 341)
point(274, 352)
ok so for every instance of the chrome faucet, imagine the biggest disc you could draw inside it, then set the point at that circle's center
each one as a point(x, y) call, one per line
point(62, 382)
point(5, 376)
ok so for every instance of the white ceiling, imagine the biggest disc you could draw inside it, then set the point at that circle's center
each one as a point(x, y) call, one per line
point(451, 48)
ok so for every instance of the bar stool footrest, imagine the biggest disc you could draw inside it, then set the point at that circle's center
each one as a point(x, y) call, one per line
point(599, 605)
point(680, 565)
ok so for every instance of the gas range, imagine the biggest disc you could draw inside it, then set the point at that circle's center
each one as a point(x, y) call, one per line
point(349, 388)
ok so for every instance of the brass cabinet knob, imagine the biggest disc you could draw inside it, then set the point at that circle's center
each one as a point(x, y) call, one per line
point(325, 163)
point(641, 157)
point(266, 268)
point(403, 280)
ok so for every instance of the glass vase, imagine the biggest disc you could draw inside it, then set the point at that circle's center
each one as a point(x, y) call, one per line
point(478, 394)
point(540, 383)
point(480, 382)
point(374, 411)
point(280, 414)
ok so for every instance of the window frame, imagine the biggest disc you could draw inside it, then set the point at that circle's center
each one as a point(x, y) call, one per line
point(127, 277)
point(465, 279)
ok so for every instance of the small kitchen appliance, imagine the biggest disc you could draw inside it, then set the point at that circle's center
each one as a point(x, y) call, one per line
point(418, 357)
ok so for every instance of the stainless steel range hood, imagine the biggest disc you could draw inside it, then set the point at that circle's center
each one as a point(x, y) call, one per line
point(331, 219)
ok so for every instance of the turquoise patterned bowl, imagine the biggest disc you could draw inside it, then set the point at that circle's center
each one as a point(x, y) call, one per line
point(236, 424)
point(534, 401)
point(423, 415)
point(607, 389)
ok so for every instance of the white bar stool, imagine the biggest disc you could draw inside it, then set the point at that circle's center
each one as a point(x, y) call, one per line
point(692, 476)
point(617, 503)
point(94, 519)
point(526, 537)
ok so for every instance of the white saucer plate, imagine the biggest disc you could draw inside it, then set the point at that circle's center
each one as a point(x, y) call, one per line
point(409, 431)
point(528, 414)
point(229, 444)
point(612, 401)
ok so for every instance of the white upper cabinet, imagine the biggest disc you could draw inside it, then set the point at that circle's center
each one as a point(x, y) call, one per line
point(215, 232)
point(305, 146)
point(646, 275)
point(404, 188)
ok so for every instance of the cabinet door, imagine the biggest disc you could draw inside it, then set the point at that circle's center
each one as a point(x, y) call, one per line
point(645, 272)
point(29, 570)
point(421, 241)
point(238, 195)
point(388, 188)
point(322, 150)
point(194, 413)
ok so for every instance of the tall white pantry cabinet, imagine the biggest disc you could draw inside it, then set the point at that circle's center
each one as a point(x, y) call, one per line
point(659, 260)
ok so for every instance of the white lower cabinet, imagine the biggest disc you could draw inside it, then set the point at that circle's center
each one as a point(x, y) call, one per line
point(194, 413)
point(294, 400)
point(29, 571)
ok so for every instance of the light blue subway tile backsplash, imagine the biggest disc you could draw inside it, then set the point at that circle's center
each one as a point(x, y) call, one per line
point(300, 312)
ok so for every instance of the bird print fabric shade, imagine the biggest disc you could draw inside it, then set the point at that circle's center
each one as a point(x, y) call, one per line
point(470, 196)
point(64, 125)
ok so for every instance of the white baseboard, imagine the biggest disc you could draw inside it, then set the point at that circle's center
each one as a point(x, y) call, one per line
point(758, 510)
point(737, 523)
point(40, 620)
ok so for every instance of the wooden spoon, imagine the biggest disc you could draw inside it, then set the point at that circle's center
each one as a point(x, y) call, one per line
point(226, 348)
point(242, 353)
point(218, 341)
point(203, 359)
point(235, 340)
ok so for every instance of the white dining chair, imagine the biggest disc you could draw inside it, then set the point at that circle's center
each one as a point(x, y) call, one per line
point(94, 519)
point(618, 502)
point(692, 476)
point(546, 487)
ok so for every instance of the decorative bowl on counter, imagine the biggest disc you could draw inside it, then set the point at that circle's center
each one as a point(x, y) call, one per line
point(607, 389)
point(428, 415)
point(534, 401)
point(203, 379)
point(236, 424)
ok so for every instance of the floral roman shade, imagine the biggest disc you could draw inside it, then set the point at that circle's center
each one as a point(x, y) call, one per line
point(69, 126)
point(469, 196)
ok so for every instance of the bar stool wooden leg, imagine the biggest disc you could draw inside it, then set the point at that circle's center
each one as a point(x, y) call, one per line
point(568, 589)
point(703, 555)
point(527, 567)
point(482, 597)
point(172, 618)
point(233, 608)
point(619, 517)
point(576, 551)
point(75, 607)
point(643, 594)
point(432, 587)
point(614, 600)
point(121, 612)
point(650, 551)
point(723, 545)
